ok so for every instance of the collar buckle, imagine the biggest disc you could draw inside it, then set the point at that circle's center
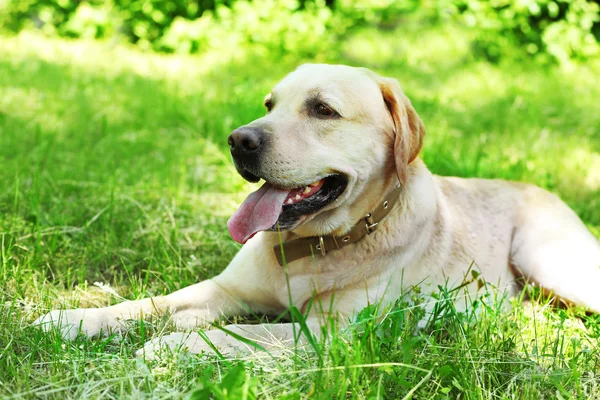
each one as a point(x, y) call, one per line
point(370, 224)
point(321, 246)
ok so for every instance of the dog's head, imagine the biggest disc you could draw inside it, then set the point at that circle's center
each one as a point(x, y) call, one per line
point(334, 140)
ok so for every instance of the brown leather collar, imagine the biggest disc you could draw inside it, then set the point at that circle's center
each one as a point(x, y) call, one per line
point(296, 249)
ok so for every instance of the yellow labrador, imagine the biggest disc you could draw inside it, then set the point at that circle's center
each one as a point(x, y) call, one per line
point(350, 216)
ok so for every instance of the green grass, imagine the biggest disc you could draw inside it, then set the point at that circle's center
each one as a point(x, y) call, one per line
point(114, 169)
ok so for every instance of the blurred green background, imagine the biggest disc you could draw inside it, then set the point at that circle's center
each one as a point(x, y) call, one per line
point(560, 29)
point(114, 168)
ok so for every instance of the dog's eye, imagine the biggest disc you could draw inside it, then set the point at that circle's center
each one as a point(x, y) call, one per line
point(268, 104)
point(325, 110)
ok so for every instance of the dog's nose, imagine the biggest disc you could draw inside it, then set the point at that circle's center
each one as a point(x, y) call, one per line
point(244, 141)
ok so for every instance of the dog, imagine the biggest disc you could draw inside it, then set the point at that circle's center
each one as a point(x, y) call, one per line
point(350, 216)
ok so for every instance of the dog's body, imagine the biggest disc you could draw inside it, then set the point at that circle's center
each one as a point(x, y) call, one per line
point(356, 136)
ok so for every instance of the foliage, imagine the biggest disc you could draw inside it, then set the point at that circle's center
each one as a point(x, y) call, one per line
point(184, 26)
point(141, 21)
point(145, 21)
point(273, 25)
point(563, 29)
point(384, 13)
point(560, 29)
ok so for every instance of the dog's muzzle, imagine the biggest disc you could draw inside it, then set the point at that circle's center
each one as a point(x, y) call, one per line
point(247, 144)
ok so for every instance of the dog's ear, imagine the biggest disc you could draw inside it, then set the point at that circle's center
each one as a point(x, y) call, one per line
point(409, 130)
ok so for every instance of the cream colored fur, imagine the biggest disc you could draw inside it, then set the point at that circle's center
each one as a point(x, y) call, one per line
point(440, 229)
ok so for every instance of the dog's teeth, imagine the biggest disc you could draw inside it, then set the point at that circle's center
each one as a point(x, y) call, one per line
point(306, 190)
point(289, 201)
point(298, 197)
point(315, 183)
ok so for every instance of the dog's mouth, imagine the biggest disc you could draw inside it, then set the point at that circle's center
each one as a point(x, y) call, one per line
point(272, 207)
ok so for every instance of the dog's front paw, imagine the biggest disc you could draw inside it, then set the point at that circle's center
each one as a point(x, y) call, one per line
point(87, 321)
point(193, 343)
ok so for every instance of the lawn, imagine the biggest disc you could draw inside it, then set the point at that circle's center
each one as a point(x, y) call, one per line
point(116, 182)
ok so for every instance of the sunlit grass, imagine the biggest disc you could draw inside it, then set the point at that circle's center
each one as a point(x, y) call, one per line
point(114, 169)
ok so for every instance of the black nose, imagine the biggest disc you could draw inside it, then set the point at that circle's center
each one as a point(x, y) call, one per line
point(244, 141)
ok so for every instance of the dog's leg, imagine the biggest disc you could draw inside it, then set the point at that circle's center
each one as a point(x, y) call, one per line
point(274, 338)
point(246, 284)
point(553, 249)
point(334, 307)
point(194, 305)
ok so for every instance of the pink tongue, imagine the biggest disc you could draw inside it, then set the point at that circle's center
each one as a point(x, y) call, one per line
point(257, 213)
